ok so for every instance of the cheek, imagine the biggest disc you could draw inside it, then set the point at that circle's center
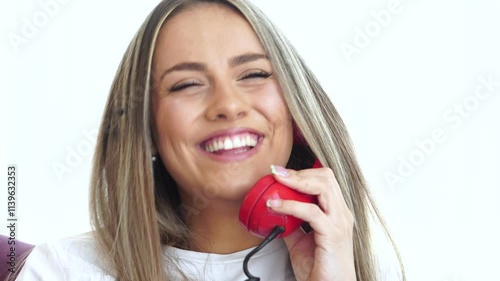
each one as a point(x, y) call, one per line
point(273, 105)
point(165, 117)
point(171, 118)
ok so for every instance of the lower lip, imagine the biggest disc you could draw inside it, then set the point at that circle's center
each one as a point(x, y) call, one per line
point(225, 158)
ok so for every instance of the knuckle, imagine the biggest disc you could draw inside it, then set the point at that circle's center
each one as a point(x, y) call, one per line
point(330, 175)
point(328, 171)
point(314, 210)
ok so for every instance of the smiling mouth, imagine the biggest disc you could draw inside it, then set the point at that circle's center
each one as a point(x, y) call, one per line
point(235, 144)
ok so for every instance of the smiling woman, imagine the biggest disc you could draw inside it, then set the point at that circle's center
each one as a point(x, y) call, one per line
point(223, 97)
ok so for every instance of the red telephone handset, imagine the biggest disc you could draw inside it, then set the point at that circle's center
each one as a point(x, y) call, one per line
point(260, 220)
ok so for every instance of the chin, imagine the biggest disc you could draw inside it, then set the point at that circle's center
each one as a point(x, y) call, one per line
point(235, 192)
point(237, 181)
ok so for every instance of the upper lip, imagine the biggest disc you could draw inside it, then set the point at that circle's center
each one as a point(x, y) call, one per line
point(230, 132)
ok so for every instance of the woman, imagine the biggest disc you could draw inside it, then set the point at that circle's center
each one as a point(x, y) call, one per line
point(209, 95)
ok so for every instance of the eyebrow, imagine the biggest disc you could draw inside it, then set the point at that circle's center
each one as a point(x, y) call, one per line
point(233, 62)
point(246, 58)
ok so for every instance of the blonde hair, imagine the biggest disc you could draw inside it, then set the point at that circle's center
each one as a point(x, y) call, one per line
point(134, 203)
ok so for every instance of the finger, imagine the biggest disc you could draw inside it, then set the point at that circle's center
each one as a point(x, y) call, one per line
point(310, 181)
point(278, 170)
point(330, 232)
point(308, 212)
point(320, 182)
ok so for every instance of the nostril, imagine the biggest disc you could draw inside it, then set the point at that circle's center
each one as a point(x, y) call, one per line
point(218, 117)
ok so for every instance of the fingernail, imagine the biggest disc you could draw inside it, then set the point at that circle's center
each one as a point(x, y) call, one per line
point(273, 203)
point(279, 171)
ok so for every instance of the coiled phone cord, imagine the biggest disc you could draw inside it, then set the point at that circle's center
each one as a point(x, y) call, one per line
point(276, 231)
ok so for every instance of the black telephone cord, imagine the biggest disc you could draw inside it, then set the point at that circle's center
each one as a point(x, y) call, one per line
point(276, 231)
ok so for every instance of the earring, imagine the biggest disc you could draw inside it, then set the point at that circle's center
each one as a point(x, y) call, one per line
point(153, 158)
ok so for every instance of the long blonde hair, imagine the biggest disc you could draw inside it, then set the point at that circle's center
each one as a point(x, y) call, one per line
point(134, 204)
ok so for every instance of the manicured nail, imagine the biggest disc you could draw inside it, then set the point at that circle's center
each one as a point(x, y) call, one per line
point(273, 203)
point(279, 171)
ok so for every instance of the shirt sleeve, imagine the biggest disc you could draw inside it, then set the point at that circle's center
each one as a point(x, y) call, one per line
point(43, 263)
point(68, 259)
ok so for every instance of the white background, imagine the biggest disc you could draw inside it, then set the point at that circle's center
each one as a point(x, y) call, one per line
point(393, 93)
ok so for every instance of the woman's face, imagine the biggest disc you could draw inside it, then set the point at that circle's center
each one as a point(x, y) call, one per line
point(219, 113)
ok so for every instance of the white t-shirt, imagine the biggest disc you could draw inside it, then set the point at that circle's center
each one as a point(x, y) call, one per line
point(75, 258)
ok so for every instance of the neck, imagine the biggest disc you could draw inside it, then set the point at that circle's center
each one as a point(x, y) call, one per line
point(216, 229)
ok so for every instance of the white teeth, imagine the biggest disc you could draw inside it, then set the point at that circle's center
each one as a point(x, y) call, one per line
point(228, 143)
point(236, 142)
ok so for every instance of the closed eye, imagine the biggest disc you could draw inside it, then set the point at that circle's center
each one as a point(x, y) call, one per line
point(183, 86)
point(257, 74)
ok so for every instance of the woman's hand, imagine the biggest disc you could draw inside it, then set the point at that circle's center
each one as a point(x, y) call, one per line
point(326, 253)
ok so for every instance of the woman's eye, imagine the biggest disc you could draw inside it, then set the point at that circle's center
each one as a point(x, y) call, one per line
point(257, 74)
point(183, 86)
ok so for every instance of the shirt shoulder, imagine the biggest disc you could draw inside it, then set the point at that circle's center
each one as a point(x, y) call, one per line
point(73, 258)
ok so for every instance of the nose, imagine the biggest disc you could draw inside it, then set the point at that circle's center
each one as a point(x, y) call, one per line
point(226, 103)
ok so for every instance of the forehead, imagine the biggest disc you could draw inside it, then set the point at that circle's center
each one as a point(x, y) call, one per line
point(203, 32)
